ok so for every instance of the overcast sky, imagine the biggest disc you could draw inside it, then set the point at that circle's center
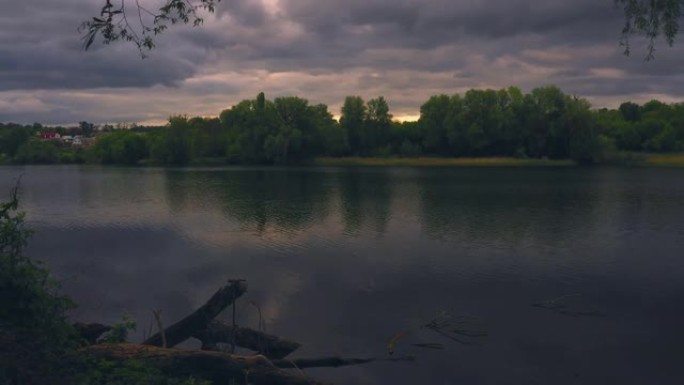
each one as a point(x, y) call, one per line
point(322, 50)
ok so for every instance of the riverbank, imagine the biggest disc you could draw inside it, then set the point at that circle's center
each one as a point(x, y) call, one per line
point(663, 160)
point(623, 159)
point(442, 162)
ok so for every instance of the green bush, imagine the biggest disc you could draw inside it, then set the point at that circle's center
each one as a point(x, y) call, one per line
point(35, 151)
point(34, 330)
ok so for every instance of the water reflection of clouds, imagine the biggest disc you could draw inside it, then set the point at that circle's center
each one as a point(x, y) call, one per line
point(341, 260)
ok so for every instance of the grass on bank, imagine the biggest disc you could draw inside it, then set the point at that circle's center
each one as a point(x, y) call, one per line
point(442, 162)
point(664, 160)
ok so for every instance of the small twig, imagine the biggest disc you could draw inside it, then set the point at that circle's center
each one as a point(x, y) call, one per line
point(232, 344)
point(392, 344)
point(296, 367)
point(157, 316)
point(261, 327)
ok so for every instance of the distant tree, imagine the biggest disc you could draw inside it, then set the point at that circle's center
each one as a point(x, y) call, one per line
point(86, 128)
point(12, 136)
point(247, 128)
point(207, 137)
point(583, 143)
point(331, 138)
point(285, 130)
point(35, 151)
point(121, 147)
point(433, 115)
point(542, 120)
point(376, 125)
point(172, 146)
point(352, 121)
point(293, 124)
point(630, 111)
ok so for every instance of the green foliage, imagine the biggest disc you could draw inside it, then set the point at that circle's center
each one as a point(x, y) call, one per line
point(433, 124)
point(119, 332)
point(172, 146)
point(121, 147)
point(352, 121)
point(71, 155)
point(409, 149)
point(35, 151)
point(285, 130)
point(544, 123)
point(130, 372)
point(112, 25)
point(12, 137)
point(34, 330)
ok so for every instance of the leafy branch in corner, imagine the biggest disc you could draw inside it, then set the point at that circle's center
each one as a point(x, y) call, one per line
point(114, 22)
point(652, 19)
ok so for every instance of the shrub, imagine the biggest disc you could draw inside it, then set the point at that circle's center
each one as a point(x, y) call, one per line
point(34, 331)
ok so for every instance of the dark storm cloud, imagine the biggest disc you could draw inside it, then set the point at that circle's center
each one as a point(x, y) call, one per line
point(427, 24)
point(40, 48)
point(405, 50)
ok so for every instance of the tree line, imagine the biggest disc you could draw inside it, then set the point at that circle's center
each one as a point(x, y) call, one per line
point(544, 123)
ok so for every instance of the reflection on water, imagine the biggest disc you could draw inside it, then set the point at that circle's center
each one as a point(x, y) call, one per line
point(344, 259)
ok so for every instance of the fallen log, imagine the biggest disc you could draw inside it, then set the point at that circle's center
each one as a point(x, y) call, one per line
point(200, 318)
point(269, 345)
point(220, 368)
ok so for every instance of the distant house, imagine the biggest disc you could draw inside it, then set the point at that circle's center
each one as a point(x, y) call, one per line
point(49, 135)
point(83, 141)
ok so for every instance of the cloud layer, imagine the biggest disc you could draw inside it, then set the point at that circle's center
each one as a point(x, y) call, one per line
point(405, 50)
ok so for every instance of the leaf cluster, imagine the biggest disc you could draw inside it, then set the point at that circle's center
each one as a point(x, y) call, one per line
point(652, 19)
point(113, 23)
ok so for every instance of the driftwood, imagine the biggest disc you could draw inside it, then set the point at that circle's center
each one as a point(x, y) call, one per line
point(269, 345)
point(200, 319)
point(267, 367)
point(220, 368)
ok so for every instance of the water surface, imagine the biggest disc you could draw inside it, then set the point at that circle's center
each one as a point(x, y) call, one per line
point(341, 260)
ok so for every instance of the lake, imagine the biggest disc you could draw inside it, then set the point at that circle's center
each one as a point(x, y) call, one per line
point(575, 274)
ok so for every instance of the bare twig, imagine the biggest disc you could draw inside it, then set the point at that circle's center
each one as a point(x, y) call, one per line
point(160, 326)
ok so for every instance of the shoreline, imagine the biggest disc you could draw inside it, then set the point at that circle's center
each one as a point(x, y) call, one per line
point(646, 160)
point(440, 162)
